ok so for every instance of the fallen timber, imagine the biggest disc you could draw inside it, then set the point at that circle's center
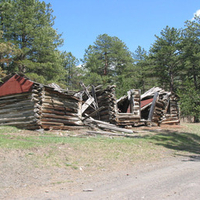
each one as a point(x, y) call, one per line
point(106, 126)
point(111, 134)
point(104, 101)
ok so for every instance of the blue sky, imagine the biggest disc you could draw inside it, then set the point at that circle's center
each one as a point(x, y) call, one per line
point(135, 22)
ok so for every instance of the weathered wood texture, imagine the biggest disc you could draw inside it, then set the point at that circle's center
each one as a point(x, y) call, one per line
point(171, 112)
point(106, 100)
point(164, 110)
point(59, 110)
point(20, 110)
point(132, 114)
point(43, 107)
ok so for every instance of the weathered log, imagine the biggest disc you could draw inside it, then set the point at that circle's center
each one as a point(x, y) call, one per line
point(53, 116)
point(16, 109)
point(21, 123)
point(15, 96)
point(110, 133)
point(56, 112)
point(67, 122)
point(106, 125)
point(61, 108)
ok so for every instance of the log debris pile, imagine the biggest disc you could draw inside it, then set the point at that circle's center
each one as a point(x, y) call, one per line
point(43, 107)
point(40, 106)
point(58, 110)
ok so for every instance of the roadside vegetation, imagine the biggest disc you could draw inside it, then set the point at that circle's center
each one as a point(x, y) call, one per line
point(77, 151)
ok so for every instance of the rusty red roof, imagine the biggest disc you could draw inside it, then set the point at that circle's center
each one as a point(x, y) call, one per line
point(146, 102)
point(16, 85)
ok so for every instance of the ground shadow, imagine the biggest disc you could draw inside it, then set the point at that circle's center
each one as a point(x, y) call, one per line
point(181, 141)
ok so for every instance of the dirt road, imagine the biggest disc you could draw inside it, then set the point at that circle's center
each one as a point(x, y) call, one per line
point(173, 179)
point(179, 179)
point(167, 171)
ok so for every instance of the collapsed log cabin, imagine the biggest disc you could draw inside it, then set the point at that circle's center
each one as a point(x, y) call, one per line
point(30, 105)
point(159, 106)
point(128, 109)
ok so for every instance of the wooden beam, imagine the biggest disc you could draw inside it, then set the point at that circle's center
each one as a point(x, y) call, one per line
point(152, 106)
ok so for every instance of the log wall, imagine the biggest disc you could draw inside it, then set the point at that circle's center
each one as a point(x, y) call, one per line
point(135, 112)
point(19, 110)
point(171, 114)
point(59, 110)
point(41, 108)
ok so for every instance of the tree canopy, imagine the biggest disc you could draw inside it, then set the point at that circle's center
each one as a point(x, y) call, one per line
point(27, 26)
point(107, 61)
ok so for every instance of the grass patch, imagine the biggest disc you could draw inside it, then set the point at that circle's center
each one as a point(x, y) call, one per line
point(187, 139)
point(8, 129)
point(99, 152)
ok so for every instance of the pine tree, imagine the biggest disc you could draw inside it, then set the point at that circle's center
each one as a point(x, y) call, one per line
point(28, 25)
point(107, 62)
point(141, 76)
point(165, 58)
point(73, 71)
point(190, 73)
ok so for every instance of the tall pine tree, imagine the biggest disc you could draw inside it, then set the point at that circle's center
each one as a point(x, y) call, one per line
point(190, 90)
point(165, 58)
point(107, 62)
point(28, 25)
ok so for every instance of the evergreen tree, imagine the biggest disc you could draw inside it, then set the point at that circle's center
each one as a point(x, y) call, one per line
point(190, 73)
point(191, 51)
point(73, 71)
point(165, 57)
point(107, 62)
point(27, 24)
point(141, 76)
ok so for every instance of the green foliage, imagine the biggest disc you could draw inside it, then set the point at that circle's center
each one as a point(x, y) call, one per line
point(27, 27)
point(73, 73)
point(108, 58)
point(164, 55)
point(141, 74)
point(190, 100)
point(191, 52)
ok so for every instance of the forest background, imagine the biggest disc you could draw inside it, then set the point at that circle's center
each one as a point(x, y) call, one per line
point(30, 45)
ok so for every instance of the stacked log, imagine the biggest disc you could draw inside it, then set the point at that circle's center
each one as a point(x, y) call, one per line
point(158, 111)
point(106, 99)
point(42, 107)
point(166, 109)
point(171, 115)
point(59, 110)
point(19, 110)
point(133, 114)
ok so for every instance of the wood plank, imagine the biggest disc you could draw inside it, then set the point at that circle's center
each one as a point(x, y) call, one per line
point(89, 101)
point(152, 106)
